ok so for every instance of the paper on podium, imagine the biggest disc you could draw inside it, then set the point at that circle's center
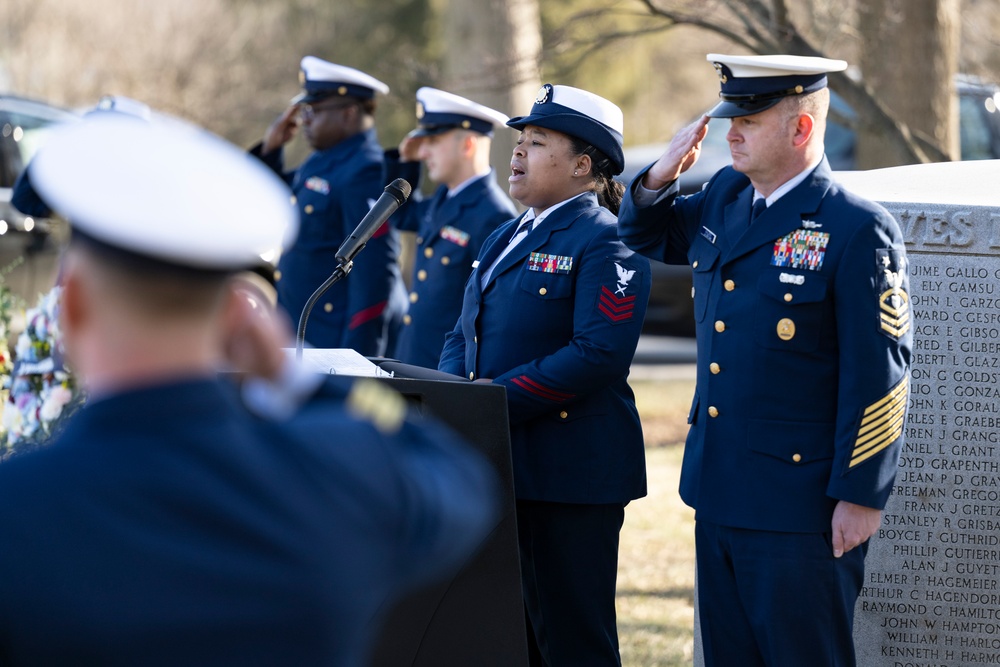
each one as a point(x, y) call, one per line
point(337, 361)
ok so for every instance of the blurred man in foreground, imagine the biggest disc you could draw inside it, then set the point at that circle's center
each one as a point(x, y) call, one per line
point(452, 139)
point(168, 525)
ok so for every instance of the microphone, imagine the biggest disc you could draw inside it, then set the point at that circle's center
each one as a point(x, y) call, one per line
point(395, 194)
point(393, 197)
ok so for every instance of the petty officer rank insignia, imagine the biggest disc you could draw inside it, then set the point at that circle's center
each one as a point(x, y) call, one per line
point(317, 184)
point(455, 235)
point(893, 301)
point(802, 249)
point(616, 301)
point(540, 261)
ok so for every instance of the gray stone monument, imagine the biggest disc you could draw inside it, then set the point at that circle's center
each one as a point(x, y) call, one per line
point(931, 595)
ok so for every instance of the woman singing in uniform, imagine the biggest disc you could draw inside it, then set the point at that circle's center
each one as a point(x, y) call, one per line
point(552, 311)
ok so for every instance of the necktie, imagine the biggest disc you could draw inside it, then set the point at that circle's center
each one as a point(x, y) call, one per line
point(758, 207)
point(524, 226)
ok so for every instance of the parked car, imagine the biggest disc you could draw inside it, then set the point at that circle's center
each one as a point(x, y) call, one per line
point(29, 243)
point(670, 311)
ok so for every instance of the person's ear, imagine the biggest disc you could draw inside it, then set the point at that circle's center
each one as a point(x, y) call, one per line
point(804, 126)
point(582, 165)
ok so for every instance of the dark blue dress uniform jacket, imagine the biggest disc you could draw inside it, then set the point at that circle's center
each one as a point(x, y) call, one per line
point(450, 234)
point(333, 190)
point(167, 526)
point(558, 325)
point(803, 348)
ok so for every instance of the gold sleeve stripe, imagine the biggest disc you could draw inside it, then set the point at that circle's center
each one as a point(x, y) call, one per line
point(881, 423)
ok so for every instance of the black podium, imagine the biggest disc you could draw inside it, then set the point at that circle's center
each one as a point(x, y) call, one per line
point(476, 617)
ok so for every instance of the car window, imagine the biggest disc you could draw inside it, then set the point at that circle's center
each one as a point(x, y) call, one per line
point(977, 113)
point(27, 132)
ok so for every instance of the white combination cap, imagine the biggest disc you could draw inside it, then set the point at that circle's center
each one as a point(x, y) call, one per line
point(164, 189)
point(751, 84)
point(580, 114)
point(439, 111)
point(321, 79)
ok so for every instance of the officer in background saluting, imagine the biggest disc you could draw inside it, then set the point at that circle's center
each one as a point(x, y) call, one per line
point(333, 189)
point(452, 139)
point(804, 338)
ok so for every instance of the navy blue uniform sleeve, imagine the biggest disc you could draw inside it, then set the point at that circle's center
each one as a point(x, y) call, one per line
point(407, 218)
point(874, 329)
point(662, 231)
point(24, 198)
point(453, 355)
point(607, 321)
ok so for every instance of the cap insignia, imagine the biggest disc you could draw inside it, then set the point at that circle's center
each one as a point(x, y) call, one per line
point(722, 75)
point(302, 77)
point(420, 110)
point(544, 94)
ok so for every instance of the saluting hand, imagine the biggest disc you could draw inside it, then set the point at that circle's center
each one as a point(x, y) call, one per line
point(282, 130)
point(852, 526)
point(409, 148)
point(682, 152)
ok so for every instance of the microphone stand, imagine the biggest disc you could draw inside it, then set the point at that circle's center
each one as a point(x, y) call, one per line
point(300, 335)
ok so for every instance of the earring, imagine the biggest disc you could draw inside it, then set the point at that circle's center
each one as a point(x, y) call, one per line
point(576, 173)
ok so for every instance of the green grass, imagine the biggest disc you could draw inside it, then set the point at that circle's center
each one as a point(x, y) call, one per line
point(656, 558)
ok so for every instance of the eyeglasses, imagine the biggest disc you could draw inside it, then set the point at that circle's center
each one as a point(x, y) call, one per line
point(310, 111)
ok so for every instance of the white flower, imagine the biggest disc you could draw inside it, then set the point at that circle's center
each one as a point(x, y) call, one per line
point(54, 402)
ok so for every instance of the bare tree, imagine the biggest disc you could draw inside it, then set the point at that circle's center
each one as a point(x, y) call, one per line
point(910, 62)
point(808, 28)
point(492, 54)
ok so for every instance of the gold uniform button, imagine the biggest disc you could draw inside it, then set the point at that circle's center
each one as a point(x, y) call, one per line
point(446, 260)
point(720, 326)
point(472, 376)
point(796, 457)
point(413, 297)
point(328, 307)
point(715, 368)
point(475, 339)
point(692, 292)
point(294, 200)
point(786, 329)
point(563, 414)
point(308, 209)
point(277, 276)
point(729, 285)
point(428, 252)
point(695, 264)
point(713, 411)
point(421, 275)
point(788, 297)
point(407, 319)
point(543, 291)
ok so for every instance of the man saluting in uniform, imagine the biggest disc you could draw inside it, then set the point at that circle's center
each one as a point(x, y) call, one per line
point(453, 140)
point(801, 304)
point(333, 189)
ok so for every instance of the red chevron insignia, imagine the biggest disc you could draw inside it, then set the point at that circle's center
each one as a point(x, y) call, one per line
point(616, 309)
point(529, 385)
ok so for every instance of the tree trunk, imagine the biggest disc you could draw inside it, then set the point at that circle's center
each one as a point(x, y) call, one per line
point(909, 60)
point(492, 53)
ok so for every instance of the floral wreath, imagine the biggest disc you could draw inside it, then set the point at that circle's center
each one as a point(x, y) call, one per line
point(41, 390)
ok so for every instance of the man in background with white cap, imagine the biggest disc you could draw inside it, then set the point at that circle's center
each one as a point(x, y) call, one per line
point(452, 139)
point(333, 190)
point(167, 525)
point(801, 303)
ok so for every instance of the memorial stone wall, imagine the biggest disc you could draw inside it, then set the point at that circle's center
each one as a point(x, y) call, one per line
point(931, 594)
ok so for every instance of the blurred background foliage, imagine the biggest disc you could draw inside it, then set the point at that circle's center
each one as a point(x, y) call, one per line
point(232, 65)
